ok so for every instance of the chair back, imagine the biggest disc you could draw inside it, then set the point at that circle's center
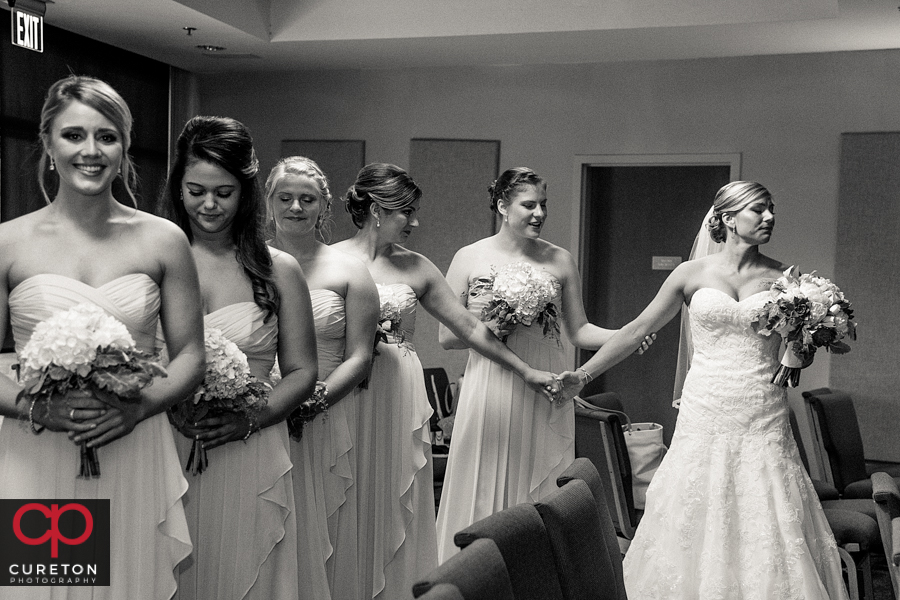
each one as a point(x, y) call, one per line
point(841, 437)
point(599, 437)
point(582, 559)
point(478, 572)
point(524, 543)
point(584, 470)
point(887, 509)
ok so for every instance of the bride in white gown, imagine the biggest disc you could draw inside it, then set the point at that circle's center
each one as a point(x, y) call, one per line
point(730, 513)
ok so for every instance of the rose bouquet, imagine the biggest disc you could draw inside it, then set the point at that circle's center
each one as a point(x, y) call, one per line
point(308, 410)
point(227, 388)
point(521, 294)
point(808, 312)
point(84, 348)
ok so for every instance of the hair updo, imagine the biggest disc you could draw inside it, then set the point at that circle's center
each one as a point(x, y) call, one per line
point(733, 197)
point(383, 184)
point(100, 96)
point(512, 180)
point(307, 167)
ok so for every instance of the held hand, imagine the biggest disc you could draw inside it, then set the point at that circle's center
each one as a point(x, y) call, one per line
point(542, 382)
point(221, 429)
point(73, 412)
point(571, 383)
point(645, 345)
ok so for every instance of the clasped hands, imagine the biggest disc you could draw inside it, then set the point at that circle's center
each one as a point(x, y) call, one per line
point(86, 418)
point(566, 385)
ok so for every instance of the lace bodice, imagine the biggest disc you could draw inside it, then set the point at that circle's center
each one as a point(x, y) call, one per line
point(406, 299)
point(330, 317)
point(242, 323)
point(729, 385)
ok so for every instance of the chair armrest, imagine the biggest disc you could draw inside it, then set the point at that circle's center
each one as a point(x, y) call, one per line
point(824, 490)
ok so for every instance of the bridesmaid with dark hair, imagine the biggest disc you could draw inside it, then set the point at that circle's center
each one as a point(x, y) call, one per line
point(241, 508)
point(395, 490)
point(87, 247)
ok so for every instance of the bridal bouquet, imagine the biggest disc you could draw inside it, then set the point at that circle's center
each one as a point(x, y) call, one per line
point(84, 348)
point(227, 387)
point(808, 312)
point(521, 294)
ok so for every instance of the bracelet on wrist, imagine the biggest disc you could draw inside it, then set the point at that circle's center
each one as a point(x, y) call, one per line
point(587, 376)
point(35, 430)
point(252, 426)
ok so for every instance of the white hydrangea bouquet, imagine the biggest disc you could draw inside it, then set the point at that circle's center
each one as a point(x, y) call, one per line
point(228, 387)
point(84, 348)
point(521, 294)
point(808, 312)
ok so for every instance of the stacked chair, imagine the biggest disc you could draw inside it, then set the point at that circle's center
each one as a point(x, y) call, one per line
point(562, 548)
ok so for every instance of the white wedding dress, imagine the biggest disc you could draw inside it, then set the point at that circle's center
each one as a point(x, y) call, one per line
point(731, 512)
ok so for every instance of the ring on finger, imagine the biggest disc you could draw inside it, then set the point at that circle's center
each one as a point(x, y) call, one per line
point(71, 414)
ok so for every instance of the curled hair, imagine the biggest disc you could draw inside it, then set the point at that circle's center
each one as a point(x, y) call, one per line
point(511, 181)
point(386, 185)
point(100, 96)
point(733, 197)
point(300, 165)
point(226, 143)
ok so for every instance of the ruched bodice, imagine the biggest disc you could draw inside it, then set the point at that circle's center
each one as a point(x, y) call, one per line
point(728, 388)
point(244, 324)
point(330, 317)
point(405, 298)
point(132, 299)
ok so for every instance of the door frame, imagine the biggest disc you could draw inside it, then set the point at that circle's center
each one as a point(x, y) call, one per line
point(582, 161)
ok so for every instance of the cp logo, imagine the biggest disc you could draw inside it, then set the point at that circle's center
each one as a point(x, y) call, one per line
point(53, 533)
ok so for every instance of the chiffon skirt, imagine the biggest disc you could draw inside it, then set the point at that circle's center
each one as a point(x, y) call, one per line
point(240, 512)
point(396, 482)
point(509, 442)
point(143, 480)
point(325, 464)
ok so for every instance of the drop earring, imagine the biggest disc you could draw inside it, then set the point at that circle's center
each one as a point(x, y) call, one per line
point(377, 222)
point(52, 164)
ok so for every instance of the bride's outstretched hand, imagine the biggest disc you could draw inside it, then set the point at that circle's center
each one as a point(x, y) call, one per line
point(570, 383)
point(543, 382)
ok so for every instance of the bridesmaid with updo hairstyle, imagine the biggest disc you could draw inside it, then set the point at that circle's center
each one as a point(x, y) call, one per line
point(345, 309)
point(509, 443)
point(395, 489)
point(85, 247)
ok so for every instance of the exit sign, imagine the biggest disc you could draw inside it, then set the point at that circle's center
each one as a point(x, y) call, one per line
point(27, 30)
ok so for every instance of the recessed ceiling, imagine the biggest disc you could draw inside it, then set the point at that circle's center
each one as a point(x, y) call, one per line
point(362, 34)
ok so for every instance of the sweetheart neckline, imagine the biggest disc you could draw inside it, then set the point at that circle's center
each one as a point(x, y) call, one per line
point(94, 287)
point(231, 305)
point(729, 296)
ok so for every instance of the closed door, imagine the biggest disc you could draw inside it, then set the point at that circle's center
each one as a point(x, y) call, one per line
point(631, 215)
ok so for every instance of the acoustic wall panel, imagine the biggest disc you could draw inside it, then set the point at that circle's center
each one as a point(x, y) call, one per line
point(866, 269)
point(454, 176)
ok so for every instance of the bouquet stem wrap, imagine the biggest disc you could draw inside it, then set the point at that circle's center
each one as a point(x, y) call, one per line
point(788, 373)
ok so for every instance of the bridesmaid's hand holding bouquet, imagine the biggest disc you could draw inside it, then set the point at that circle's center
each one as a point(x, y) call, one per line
point(84, 352)
point(228, 391)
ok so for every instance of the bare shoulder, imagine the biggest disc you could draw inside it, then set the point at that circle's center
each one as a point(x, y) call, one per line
point(20, 227)
point(283, 264)
point(343, 262)
point(163, 231)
